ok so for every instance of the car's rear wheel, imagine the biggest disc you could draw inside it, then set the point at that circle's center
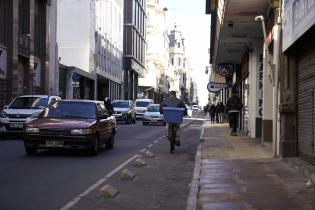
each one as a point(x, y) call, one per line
point(110, 142)
point(95, 147)
point(144, 123)
point(30, 150)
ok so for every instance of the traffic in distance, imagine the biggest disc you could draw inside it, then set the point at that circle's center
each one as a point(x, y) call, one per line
point(46, 122)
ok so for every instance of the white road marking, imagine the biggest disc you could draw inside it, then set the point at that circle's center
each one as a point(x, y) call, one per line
point(150, 145)
point(143, 150)
point(97, 184)
point(156, 141)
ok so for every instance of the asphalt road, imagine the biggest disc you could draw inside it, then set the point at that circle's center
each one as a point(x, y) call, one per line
point(52, 179)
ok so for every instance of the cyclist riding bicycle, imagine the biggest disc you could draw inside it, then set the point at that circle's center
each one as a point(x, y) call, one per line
point(173, 101)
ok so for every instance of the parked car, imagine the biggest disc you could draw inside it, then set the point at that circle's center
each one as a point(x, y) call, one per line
point(141, 106)
point(153, 116)
point(71, 124)
point(22, 110)
point(195, 107)
point(189, 112)
point(124, 110)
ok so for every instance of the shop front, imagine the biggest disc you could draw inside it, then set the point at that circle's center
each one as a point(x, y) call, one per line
point(297, 101)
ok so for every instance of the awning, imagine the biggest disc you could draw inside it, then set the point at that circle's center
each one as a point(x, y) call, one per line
point(86, 74)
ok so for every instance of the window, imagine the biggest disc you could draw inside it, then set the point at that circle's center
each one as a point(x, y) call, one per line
point(39, 17)
point(3, 21)
point(172, 61)
point(179, 61)
point(178, 44)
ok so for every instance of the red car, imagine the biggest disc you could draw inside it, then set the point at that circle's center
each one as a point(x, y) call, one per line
point(71, 124)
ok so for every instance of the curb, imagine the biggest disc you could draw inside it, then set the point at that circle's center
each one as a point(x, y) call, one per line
point(194, 186)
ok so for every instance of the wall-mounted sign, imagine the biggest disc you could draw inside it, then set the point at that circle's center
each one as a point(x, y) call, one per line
point(215, 87)
point(225, 70)
point(298, 17)
point(261, 85)
point(3, 63)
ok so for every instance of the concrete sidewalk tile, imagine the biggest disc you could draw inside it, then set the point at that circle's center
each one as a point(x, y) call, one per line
point(225, 206)
point(219, 197)
point(237, 172)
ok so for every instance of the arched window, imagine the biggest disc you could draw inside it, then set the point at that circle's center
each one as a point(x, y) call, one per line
point(179, 61)
point(178, 44)
point(172, 61)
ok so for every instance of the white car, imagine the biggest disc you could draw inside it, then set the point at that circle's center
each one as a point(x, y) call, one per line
point(22, 110)
point(124, 110)
point(189, 112)
point(195, 107)
point(153, 115)
point(141, 106)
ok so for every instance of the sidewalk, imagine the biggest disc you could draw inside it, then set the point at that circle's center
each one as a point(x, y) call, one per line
point(236, 172)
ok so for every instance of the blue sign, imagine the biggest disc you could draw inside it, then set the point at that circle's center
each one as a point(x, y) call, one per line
point(215, 87)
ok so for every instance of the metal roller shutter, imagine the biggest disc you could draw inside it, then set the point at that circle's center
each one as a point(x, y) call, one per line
point(306, 100)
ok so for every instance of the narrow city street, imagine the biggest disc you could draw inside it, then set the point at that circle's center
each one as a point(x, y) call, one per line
point(52, 179)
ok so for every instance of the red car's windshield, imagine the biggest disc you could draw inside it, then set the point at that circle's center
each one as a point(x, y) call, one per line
point(70, 109)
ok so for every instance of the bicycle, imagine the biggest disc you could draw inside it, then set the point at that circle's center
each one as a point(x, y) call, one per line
point(173, 116)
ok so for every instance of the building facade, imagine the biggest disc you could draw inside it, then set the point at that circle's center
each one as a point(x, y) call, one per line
point(237, 58)
point(271, 49)
point(154, 84)
point(134, 46)
point(297, 80)
point(28, 56)
point(178, 62)
point(90, 39)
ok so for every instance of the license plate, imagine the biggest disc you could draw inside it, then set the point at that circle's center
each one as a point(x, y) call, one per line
point(54, 143)
point(16, 125)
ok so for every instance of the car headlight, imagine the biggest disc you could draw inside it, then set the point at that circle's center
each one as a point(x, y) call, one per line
point(3, 115)
point(31, 130)
point(81, 131)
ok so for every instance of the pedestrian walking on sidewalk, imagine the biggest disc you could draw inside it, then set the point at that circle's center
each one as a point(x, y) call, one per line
point(212, 112)
point(220, 112)
point(233, 108)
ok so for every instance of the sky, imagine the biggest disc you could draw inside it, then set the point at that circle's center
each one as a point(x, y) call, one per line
point(190, 18)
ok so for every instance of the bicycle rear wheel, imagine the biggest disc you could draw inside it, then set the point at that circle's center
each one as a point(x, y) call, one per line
point(172, 134)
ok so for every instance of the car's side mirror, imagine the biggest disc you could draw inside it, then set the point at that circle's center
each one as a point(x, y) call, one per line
point(5, 107)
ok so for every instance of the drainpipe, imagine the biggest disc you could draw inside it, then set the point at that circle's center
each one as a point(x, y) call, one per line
point(276, 61)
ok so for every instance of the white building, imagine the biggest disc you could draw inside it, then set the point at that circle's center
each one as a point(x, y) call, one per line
point(154, 83)
point(90, 40)
point(179, 63)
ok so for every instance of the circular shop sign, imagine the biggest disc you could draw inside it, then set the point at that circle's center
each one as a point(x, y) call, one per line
point(225, 70)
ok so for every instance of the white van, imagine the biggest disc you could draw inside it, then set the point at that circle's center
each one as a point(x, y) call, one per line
point(141, 106)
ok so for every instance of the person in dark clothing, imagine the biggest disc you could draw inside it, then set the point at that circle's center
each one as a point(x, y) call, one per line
point(233, 107)
point(173, 101)
point(108, 106)
point(205, 109)
point(220, 112)
point(212, 112)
